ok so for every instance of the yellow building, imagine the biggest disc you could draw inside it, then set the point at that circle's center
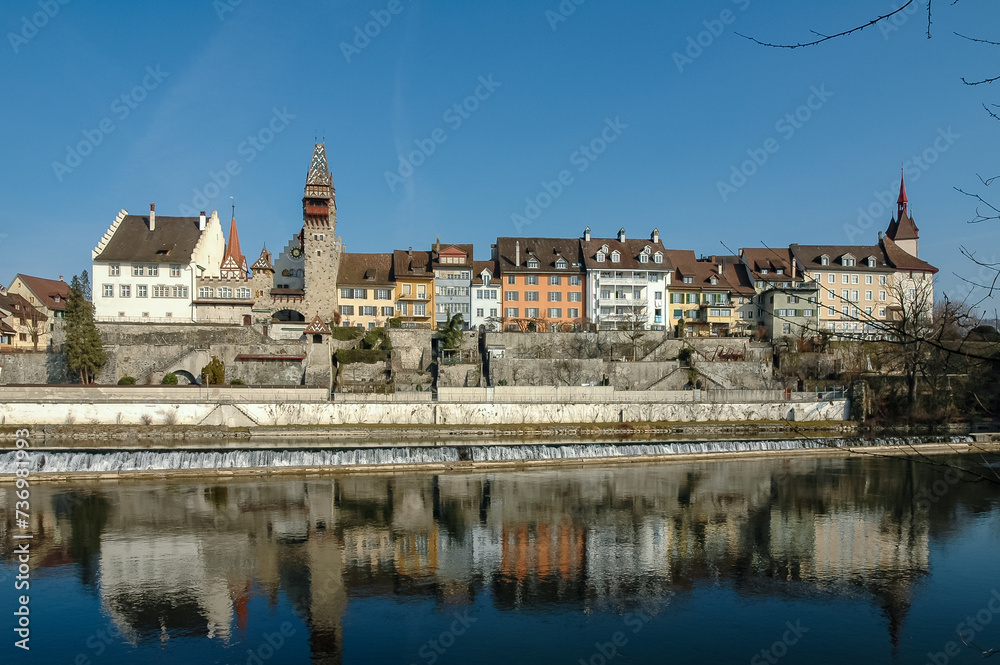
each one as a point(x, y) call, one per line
point(413, 275)
point(367, 292)
point(706, 295)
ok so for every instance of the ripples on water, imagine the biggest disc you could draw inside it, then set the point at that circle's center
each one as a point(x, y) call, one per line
point(692, 562)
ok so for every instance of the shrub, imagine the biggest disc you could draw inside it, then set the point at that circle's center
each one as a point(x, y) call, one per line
point(237, 382)
point(170, 379)
point(126, 381)
point(395, 323)
point(214, 373)
point(345, 334)
point(367, 356)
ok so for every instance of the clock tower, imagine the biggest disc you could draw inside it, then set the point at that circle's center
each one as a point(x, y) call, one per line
point(318, 243)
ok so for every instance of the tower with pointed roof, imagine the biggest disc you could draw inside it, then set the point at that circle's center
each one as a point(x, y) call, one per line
point(234, 264)
point(902, 229)
point(320, 246)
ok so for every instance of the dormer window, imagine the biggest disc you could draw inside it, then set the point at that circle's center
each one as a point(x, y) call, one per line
point(780, 271)
point(605, 249)
point(658, 257)
point(871, 262)
point(561, 264)
point(616, 256)
point(600, 257)
point(847, 260)
point(689, 280)
point(533, 262)
point(644, 258)
point(824, 260)
point(646, 250)
point(714, 281)
point(763, 271)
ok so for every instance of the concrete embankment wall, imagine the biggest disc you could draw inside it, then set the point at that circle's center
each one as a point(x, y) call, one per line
point(404, 414)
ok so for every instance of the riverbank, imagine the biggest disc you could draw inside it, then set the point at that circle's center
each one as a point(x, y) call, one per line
point(54, 465)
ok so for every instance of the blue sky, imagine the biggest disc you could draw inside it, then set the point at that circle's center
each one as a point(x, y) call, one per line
point(679, 98)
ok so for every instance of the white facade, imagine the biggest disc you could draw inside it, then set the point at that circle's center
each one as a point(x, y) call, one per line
point(625, 297)
point(486, 302)
point(155, 291)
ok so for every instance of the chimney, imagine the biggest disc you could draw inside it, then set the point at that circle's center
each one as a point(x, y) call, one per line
point(586, 234)
point(656, 236)
point(493, 251)
point(621, 234)
point(201, 221)
point(60, 278)
point(409, 252)
point(879, 235)
point(793, 270)
point(517, 253)
point(152, 216)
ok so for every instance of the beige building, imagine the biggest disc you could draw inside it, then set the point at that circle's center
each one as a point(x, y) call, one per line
point(367, 291)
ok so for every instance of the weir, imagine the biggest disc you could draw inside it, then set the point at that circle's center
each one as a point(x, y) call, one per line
point(57, 462)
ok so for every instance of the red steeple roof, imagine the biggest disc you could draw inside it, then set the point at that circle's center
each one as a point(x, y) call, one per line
point(233, 251)
point(901, 201)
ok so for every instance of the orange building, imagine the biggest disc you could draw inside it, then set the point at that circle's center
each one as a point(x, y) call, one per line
point(543, 283)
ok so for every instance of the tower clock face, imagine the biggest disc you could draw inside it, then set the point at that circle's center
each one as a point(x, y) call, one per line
point(295, 254)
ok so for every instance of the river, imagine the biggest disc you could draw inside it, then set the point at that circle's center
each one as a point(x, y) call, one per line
point(798, 560)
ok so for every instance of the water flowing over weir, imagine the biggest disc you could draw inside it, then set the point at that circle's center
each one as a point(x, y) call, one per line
point(154, 460)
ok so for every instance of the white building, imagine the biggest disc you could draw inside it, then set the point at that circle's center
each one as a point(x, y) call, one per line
point(145, 267)
point(486, 294)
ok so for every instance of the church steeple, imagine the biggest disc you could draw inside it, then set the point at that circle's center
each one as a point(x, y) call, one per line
point(318, 204)
point(234, 264)
point(901, 201)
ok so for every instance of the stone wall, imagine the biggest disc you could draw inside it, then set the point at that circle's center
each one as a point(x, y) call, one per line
point(18, 368)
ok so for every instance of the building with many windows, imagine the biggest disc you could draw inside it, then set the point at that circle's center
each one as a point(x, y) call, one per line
point(543, 283)
point(413, 273)
point(706, 295)
point(48, 296)
point(627, 281)
point(487, 293)
point(23, 326)
point(367, 291)
point(453, 266)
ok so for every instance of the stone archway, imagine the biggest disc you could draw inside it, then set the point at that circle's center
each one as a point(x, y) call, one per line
point(184, 374)
point(289, 316)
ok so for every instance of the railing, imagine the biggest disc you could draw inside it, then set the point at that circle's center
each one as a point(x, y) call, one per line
point(163, 394)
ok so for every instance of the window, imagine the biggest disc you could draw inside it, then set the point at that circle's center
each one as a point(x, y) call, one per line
point(109, 290)
point(831, 310)
point(854, 279)
point(533, 263)
point(824, 260)
point(831, 278)
point(175, 271)
point(346, 294)
point(531, 279)
point(847, 261)
point(868, 279)
point(575, 280)
point(845, 279)
point(913, 294)
point(243, 293)
point(555, 312)
point(531, 296)
point(206, 292)
point(575, 296)
point(160, 291)
point(125, 291)
point(382, 294)
point(854, 295)
point(493, 312)
point(368, 310)
point(555, 280)
point(616, 256)
point(347, 310)
point(868, 311)
point(561, 264)
point(881, 296)
point(479, 312)
point(421, 291)
point(881, 280)
point(140, 291)
point(555, 296)
point(844, 310)
point(871, 261)
point(819, 277)
point(407, 289)
point(786, 328)
point(676, 298)
point(360, 294)
point(138, 271)
point(419, 309)
point(600, 257)
point(114, 270)
point(531, 312)
point(510, 296)
point(658, 258)
point(402, 308)
point(225, 292)
point(154, 271)
point(689, 280)
point(387, 311)
point(644, 258)
point(511, 312)
point(881, 312)
point(512, 279)
point(807, 312)
point(868, 295)
point(845, 294)
point(678, 313)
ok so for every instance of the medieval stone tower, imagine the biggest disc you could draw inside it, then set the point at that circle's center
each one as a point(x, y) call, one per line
point(320, 246)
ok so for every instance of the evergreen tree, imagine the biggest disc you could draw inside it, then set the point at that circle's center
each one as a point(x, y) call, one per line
point(83, 348)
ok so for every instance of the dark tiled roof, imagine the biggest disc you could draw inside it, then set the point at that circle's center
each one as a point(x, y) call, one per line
point(356, 269)
point(477, 270)
point(810, 257)
point(902, 260)
point(733, 276)
point(630, 249)
point(770, 259)
point(546, 250)
point(19, 307)
point(47, 290)
point(903, 229)
point(173, 241)
point(411, 264)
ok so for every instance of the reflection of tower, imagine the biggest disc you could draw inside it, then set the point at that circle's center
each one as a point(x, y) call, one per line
point(319, 244)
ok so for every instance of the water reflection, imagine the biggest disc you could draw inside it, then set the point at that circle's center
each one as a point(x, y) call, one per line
point(185, 560)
